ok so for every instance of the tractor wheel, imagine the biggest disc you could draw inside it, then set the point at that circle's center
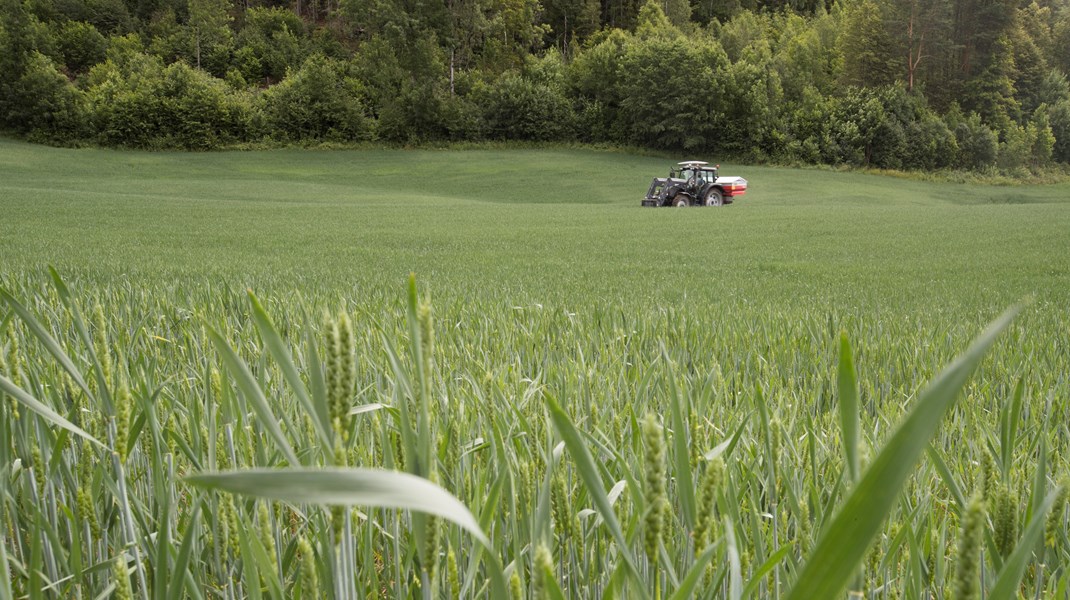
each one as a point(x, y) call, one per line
point(714, 197)
point(681, 200)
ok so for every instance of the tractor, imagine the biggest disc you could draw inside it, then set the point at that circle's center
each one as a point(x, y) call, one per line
point(694, 183)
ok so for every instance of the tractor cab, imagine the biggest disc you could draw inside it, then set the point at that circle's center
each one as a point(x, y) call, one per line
point(696, 173)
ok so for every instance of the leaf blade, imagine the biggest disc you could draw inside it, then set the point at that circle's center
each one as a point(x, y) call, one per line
point(844, 543)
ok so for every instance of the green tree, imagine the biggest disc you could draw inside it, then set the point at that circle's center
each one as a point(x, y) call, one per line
point(808, 55)
point(920, 30)
point(673, 92)
point(268, 44)
point(46, 107)
point(81, 45)
point(515, 107)
point(570, 21)
point(991, 92)
point(209, 28)
point(653, 22)
point(318, 101)
point(869, 56)
point(594, 79)
point(1030, 69)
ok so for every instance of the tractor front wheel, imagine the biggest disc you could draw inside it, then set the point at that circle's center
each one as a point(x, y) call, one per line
point(714, 197)
point(681, 200)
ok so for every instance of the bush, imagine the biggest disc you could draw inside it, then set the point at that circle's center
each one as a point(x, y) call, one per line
point(515, 108)
point(319, 101)
point(424, 111)
point(930, 144)
point(141, 104)
point(1059, 118)
point(978, 145)
point(46, 107)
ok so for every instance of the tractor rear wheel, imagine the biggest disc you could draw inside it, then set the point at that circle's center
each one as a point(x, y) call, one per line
point(681, 200)
point(714, 197)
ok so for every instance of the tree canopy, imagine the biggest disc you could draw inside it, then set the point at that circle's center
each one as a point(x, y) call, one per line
point(905, 84)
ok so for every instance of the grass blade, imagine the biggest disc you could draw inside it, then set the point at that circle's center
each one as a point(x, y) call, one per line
point(47, 340)
point(344, 487)
point(253, 393)
point(844, 544)
point(694, 574)
point(1008, 432)
point(848, 405)
point(185, 552)
point(43, 410)
point(355, 486)
point(588, 472)
point(284, 358)
point(79, 324)
point(946, 476)
point(685, 481)
point(5, 577)
point(765, 569)
point(735, 572)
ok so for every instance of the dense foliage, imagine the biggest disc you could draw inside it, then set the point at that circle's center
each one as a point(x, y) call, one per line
point(918, 84)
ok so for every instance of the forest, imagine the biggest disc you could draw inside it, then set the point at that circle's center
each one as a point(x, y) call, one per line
point(977, 85)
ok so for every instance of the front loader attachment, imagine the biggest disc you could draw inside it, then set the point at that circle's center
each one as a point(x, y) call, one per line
point(655, 196)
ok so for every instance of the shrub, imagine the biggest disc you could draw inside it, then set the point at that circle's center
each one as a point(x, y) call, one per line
point(1059, 118)
point(319, 101)
point(929, 144)
point(425, 110)
point(139, 103)
point(46, 107)
point(516, 108)
point(978, 146)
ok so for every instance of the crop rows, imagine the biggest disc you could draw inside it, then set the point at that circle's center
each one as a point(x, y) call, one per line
point(662, 453)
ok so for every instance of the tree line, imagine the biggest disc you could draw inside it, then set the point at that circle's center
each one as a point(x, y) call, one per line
point(899, 84)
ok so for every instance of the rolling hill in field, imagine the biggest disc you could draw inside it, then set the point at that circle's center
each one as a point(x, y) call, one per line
point(538, 222)
point(690, 359)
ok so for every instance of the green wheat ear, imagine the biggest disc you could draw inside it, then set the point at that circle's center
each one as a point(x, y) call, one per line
point(968, 566)
point(432, 539)
point(989, 477)
point(100, 343)
point(13, 357)
point(452, 574)
point(426, 318)
point(123, 409)
point(308, 578)
point(712, 480)
point(516, 592)
point(341, 373)
point(543, 575)
point(121, 576)
point(656, 497)
point(266, 531)
point(1005, 520)
point(1055, 517)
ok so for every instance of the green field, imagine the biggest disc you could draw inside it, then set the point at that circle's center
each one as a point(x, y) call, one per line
point(549, 284)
